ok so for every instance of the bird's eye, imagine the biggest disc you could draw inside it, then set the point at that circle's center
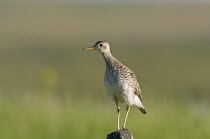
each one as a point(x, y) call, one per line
point(100, 44)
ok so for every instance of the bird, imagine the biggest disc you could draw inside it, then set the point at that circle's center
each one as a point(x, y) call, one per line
point(120, 83)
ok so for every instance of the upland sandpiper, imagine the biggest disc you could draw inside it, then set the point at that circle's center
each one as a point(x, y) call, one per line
point(120, 82)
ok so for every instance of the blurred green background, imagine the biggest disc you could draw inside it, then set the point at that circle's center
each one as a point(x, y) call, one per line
point(51, 89)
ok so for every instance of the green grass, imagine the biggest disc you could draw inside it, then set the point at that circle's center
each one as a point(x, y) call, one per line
point(54, 120)
point(50, 88)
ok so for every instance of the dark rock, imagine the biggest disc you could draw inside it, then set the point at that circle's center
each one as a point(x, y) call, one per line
point(120, 134)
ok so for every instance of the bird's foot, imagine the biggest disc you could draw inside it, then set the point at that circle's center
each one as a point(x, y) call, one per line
point(123, 128)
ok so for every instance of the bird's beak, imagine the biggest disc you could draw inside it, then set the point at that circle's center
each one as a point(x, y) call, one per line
point(90, 48)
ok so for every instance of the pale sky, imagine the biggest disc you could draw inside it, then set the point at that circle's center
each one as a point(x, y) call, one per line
point(116, 1)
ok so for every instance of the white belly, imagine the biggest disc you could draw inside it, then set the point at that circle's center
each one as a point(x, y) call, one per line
point(123, 92)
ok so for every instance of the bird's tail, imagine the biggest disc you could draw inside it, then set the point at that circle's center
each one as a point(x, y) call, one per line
point(142, 109)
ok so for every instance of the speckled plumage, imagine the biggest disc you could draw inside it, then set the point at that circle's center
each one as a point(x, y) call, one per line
point(116, 74)
point(120, 82)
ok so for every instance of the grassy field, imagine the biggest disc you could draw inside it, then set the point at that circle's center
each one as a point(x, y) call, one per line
point(50, 88)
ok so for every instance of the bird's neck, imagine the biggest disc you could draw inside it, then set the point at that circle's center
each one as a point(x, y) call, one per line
point(108, 58)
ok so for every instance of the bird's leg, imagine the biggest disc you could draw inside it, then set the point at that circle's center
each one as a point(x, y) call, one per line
point(118, 115)
point(126, 116)
point(118, 118)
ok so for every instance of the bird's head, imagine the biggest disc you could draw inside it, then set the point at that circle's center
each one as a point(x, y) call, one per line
point(101, 46)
